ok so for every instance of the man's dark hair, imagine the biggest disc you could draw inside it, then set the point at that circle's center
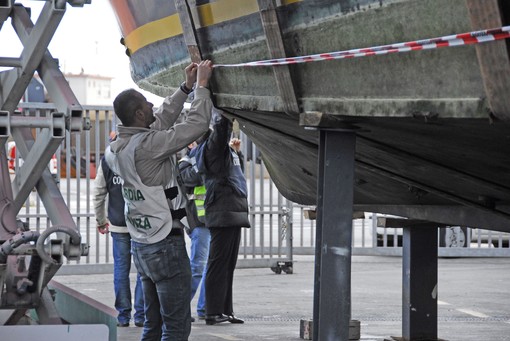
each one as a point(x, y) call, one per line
point(125, 105)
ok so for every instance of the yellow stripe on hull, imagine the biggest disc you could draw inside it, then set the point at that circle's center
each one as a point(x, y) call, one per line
point(209, 14)
point(152, 32)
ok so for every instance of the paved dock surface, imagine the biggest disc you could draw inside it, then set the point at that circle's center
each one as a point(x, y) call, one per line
point(473, 294)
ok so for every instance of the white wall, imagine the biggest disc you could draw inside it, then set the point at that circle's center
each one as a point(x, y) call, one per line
point(91, 90)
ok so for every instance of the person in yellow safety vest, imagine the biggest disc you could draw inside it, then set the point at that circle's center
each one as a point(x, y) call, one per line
point(199, 199)
point(197, 231)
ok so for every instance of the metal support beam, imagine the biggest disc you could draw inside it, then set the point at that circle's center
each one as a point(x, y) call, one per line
point(5, 11)
point(55, 122)
point(332, 296)
point(10, 62)
point(419, 277)
point(419, 283)
point(35, 40)
point(54, 81)
point(318, 244)
point(56, 208)
point(36, 156)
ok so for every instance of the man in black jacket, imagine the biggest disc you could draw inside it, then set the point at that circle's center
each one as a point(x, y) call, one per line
point(108, 190)
point(198, 233)
point(226, 212)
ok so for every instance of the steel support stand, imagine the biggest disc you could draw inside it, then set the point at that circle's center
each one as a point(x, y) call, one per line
point(419, 283)
point(332, 285)
point(318, 245)
point(419, 277)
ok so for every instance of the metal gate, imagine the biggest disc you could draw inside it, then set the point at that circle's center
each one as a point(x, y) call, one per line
point(268, 243)
point(280, 228)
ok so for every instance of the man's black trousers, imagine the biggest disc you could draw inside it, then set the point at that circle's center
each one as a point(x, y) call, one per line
point(223, 254)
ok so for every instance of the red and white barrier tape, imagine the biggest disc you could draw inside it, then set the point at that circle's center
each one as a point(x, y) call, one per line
point(469, 38)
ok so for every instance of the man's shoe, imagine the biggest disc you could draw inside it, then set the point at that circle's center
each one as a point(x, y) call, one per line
point(192, 319)
point(215, 319)
point(233, 319)
point(125, 324)
point(139, 323)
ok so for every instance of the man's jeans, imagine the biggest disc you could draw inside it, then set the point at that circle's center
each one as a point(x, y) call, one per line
point(121, 283)
point(200, 239)
point(166, 276)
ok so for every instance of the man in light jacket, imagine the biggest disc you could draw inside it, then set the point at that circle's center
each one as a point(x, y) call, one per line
point(144, 156)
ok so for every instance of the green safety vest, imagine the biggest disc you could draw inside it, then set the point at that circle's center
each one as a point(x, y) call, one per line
point(199, 195)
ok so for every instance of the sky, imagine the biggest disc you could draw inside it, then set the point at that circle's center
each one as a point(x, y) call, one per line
point(88, 37)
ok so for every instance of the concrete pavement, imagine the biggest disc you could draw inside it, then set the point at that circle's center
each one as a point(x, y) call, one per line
point(473, 294)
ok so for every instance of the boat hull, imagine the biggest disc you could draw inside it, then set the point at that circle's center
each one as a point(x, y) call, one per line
point(430, 144)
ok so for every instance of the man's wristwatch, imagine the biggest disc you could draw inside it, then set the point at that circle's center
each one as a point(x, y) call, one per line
point(185, 89)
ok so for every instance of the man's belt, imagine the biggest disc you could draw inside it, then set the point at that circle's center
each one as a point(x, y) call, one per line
point(176, 232)
point(171, 193)
point(178, 214)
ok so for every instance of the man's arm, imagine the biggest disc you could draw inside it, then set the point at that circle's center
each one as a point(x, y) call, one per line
point(169, 111)
point(99, 199)
point(189, 175)
point(241, 159)
point(215, 151)
point(160, 144)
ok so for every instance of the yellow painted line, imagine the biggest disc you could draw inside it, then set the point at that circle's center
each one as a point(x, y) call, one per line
point(209, 14)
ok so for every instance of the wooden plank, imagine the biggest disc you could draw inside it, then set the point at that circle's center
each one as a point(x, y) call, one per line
point(316, 119)
point(311, 214)
point(407, 223)
point(493, 57)
point(277, 50)
point(188, 29)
